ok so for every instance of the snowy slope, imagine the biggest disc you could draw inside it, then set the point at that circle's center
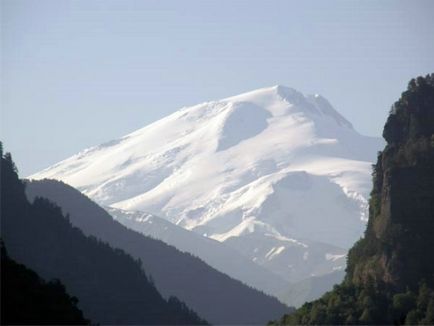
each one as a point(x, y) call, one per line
point(216, 254)
point(281, 177)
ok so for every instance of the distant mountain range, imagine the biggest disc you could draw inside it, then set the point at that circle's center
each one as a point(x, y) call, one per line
point(216, 254)
point(213, 295)
point(277, 177)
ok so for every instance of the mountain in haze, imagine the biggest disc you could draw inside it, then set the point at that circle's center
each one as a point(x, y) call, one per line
point(226, 259)
point(111, 287)
point(213, 295)
point(216, 254)
point(311, 288)
point(390, 273)
point(280, 177)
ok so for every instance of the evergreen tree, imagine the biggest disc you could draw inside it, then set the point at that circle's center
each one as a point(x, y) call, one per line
point(110, 285)
point(27, 300)
point(385, 268)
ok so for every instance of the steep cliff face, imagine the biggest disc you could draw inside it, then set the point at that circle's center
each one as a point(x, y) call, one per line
point(390, 271)
point(401, 224)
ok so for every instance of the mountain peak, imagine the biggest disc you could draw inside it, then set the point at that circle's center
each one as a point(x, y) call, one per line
point(286, 91)
point(263, 170)
point(281, 100)
point(281, 91)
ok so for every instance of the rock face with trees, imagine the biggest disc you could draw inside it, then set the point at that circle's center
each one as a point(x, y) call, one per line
point(390, 271)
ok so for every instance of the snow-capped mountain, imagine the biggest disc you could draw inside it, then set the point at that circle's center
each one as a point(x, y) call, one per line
point(280, 177)
point(216, 254)
point(231, 262)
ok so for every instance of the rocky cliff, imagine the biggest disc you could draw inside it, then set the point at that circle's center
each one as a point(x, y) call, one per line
point(399, 236)
point(390, 272)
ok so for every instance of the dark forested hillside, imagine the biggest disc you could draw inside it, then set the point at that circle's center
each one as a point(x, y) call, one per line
point(110, 285)
point(390, 272)
point(212, 294)
point(26, 299)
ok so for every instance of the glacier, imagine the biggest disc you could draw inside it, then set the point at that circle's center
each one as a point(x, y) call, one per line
point(277, 176)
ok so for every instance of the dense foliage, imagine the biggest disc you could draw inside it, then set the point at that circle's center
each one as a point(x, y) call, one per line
point(371, 304)
point(110, 285)
point(26, 299)
point(390, 271)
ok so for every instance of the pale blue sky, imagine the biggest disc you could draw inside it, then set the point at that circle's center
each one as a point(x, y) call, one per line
point(78, 73)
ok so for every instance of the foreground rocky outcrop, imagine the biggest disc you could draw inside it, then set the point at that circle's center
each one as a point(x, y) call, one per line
point(390, 273)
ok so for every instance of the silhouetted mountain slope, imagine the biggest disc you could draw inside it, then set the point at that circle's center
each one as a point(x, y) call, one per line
point(28, 300)
point(212, 294)
point(390, 272)
point(111, 287)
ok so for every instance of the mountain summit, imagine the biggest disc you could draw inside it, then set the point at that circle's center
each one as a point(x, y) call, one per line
point(281, 177)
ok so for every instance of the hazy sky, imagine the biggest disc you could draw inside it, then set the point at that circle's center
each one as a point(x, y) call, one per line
point(78, 73)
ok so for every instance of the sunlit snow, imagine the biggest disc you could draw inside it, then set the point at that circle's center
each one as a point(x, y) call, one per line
point(275, 175)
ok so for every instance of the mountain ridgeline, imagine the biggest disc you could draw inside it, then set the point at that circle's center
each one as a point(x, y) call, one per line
point(215, 296)
point(275, 175)
point(390, 271)
point(111, 287)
